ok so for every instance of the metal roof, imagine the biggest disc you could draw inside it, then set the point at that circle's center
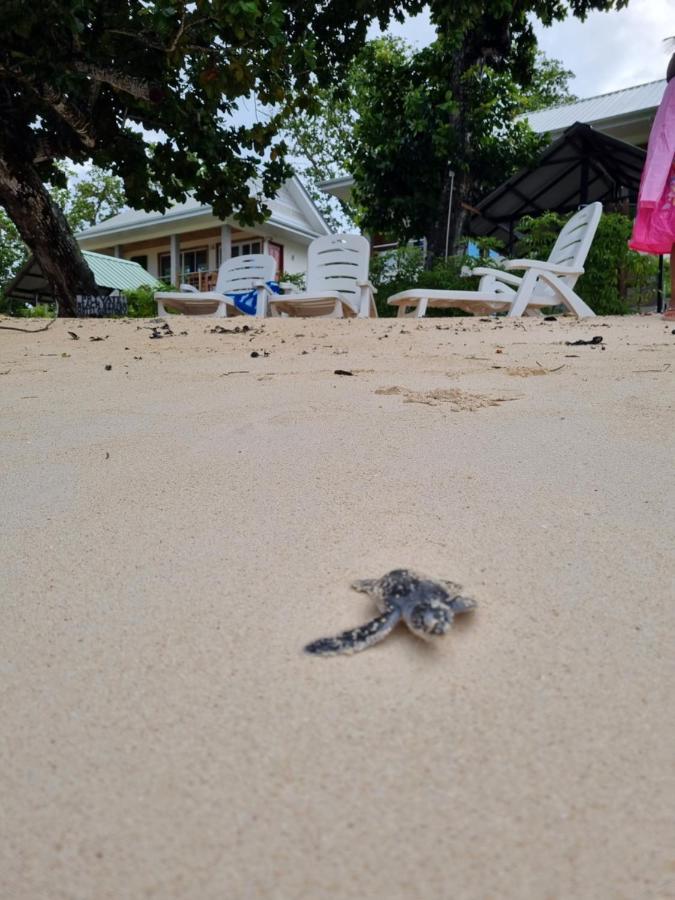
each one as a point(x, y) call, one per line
point(581, 166)
point(110, 273)
point(311, 225)
point(641, 98)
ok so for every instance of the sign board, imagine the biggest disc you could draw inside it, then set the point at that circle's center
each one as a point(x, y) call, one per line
point(100, 306)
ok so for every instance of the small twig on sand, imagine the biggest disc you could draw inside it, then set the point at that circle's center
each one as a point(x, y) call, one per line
point(28, 330)
point(657, 371)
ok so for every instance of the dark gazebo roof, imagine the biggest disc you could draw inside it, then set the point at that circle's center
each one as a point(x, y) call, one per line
point(581, 166)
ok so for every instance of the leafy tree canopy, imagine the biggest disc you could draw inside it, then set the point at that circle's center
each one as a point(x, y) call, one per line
point(149, 89)
point(413, 117)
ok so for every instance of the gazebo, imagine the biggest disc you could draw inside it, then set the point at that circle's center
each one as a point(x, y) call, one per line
point(583, 165)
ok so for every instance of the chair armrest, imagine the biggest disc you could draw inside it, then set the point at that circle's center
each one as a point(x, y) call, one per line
point(480, 270)
point(287, 287)
point(499, 274)
point(367, 284)
point(188, 288)
point(543, 266)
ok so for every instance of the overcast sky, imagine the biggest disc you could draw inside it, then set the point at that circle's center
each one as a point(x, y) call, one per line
point(607, 52)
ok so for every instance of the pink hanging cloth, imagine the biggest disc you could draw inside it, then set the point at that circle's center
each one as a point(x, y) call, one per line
point(654, 227)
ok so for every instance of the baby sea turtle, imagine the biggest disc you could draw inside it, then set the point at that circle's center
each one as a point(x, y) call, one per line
point(427, 607)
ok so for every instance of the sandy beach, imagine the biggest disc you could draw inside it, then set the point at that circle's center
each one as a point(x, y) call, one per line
point(182, 514)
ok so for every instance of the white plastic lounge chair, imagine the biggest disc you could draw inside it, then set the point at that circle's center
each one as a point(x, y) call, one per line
point(337, 281)
point(238, 275)
point(547, 283)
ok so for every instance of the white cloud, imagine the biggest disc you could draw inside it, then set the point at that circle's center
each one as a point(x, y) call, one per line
point(613, 50)
point(607, 52)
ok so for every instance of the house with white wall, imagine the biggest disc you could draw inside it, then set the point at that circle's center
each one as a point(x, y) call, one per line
point(186, 244)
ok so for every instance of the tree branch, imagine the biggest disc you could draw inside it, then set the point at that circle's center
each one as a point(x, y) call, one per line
point(67, 112)
point(136, 87)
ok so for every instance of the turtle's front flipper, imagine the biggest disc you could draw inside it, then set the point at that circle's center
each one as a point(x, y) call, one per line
point(358, 638)
point(452, 586)
point(462, 604)
point(365, 585)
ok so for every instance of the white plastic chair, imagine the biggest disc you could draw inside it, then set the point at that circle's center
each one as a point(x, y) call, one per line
point(237, 275)
point(337, 281)
point(548, 283)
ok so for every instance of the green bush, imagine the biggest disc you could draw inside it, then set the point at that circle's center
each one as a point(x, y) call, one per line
point(23, 310)
point(403, 268)
point(141, 302)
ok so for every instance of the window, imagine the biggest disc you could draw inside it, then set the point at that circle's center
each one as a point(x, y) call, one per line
point(190, 261)
point(245, 248)
point(141, 260)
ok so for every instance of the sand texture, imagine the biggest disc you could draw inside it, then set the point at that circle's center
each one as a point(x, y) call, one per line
point(176, 527)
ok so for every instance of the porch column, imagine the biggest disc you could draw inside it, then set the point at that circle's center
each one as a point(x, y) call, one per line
point(117, 250)
point(225, 242)
point(175, 273)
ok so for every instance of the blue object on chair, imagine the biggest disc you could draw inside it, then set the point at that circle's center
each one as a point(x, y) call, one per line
point(247, 301)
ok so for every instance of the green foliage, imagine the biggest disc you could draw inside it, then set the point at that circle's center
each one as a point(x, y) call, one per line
point(297, 279)
point(141, 302)
point(12, 249)
point(320, 146)
point(549, 85)
point(616, 279)
point(413, 118)
point(403, 268)
point(89, 197)
point(455, 103)
point(391, 104)
point(90, 79)
point(41, 311)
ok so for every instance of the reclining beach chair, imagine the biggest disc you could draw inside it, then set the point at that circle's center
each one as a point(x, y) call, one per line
point(337, 281)
point(543, 284)
point(244, 277)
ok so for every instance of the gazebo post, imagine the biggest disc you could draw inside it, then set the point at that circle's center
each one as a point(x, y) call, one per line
point(583, 188)
point(659, 287)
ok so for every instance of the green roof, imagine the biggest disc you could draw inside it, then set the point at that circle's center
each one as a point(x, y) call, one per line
point(116, 273)
point(109, 272)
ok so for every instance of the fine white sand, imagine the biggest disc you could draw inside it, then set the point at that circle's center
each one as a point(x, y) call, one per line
point(176, 528)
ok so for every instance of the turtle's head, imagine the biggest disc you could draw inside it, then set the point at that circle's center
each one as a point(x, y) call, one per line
point(429, 619)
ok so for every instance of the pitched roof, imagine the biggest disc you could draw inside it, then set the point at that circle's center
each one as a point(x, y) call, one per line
point(116, 273)
point(109, 272)
point(633, 100)
point(581, 166)
point(292, 198)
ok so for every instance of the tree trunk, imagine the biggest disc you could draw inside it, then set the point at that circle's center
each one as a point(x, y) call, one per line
point(440, 234)
point(45, 231)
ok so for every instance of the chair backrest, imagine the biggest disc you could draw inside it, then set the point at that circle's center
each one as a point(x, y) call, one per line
point(240, 273)
point(574, 241)
point(337, 262)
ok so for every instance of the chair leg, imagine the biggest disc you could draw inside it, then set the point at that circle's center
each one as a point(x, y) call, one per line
point(523, 294)
point(261, 303)
point(161, 311)
point(402, 307)
point(422, 308)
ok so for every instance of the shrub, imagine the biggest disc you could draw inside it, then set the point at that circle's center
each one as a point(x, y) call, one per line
point(142, 301)
point(403, 268)
point(297, 279)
